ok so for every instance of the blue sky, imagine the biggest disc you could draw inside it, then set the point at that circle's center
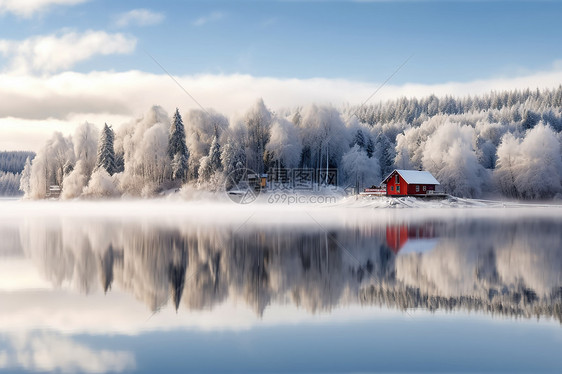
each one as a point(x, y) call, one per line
point(63, 62)
point(449, 40)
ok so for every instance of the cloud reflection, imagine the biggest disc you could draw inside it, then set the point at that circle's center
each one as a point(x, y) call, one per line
point(50, 352)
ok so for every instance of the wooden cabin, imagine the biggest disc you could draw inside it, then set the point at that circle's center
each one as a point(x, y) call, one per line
point(257, 181)
point(410, 183)
point(54, 192)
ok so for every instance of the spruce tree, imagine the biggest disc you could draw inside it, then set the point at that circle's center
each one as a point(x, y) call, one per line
point(179, 167)
point(215, 155)
point(106, 153)
point(359, 139)
point(370, 147)
point(212, 163)
point(177, 149)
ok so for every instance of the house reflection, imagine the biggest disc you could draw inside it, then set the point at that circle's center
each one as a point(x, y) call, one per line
point(411, 237)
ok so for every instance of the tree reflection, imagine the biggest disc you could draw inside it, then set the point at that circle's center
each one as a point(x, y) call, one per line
point(510, 268)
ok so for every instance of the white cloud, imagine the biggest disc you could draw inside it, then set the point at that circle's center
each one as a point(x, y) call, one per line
point(213, 17)
point(50, 53)
point(140, 17)
point(32, 106)
point(3, 359)
point(27, 8)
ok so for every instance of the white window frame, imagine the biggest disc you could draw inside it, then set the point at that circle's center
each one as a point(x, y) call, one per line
point(396, 179)
point(398, 188)
point(424, 188)
point(417, 188)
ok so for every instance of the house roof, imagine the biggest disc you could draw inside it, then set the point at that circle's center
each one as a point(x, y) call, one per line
point(414, 177)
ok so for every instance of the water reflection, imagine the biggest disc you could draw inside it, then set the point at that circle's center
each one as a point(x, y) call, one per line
point(506, 267)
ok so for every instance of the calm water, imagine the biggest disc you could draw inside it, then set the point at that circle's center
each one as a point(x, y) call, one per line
point(181, 288)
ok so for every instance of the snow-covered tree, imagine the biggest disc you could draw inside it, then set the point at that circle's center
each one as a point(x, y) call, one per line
point(85, 141)
point(360, 170)
point(201, 127)
point(14, 161)
point(531, 168)
point(460, 140)
point(541, 168)
point(180, 167)
point(359, 139)
point(508, 155)
point(284, 144)
point(74, 182)
point(450, 157)
point(60, 154)
point(48, 167)
point(384, 152)
point(154, 160)
point(402, 159)
point(212, 163)
point(25, 178)
point(9, 184)
point(215, 155)
point(233, 159)
point(101, 185)
point(370, 147)
point(258, 122)
point(38, 179)
point(177, 148)
point(324, 137)
point(144, 143)
point(106, 152)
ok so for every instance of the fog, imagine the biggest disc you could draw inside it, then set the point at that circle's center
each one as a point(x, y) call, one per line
point(200, 256)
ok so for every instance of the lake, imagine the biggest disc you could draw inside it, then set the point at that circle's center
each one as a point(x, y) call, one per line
point(174, 287)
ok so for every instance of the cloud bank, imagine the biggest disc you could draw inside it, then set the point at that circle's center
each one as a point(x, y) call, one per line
point(36, 106)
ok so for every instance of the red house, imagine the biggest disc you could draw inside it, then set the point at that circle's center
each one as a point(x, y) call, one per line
point(410, 183)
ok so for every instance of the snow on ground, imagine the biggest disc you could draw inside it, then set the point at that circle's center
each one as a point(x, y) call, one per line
point(445, 202)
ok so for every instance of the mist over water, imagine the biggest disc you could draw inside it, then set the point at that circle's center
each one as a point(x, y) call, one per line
point(210, 268)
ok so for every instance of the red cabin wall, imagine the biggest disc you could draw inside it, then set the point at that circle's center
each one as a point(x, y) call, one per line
point(391, 186)
point(412, 189)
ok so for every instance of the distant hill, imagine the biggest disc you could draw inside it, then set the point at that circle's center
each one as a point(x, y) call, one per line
point(11, 166)
point(14, 161)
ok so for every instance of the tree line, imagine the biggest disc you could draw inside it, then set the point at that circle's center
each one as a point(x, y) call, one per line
point(504, 143)
point(11, 166)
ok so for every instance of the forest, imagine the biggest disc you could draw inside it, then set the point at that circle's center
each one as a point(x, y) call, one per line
point(11, 166)
point(502, 144)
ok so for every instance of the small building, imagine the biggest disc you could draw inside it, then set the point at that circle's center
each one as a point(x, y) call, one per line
point(54, 192)
point(410, 183)
point(374, 191)
point(257, 181)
